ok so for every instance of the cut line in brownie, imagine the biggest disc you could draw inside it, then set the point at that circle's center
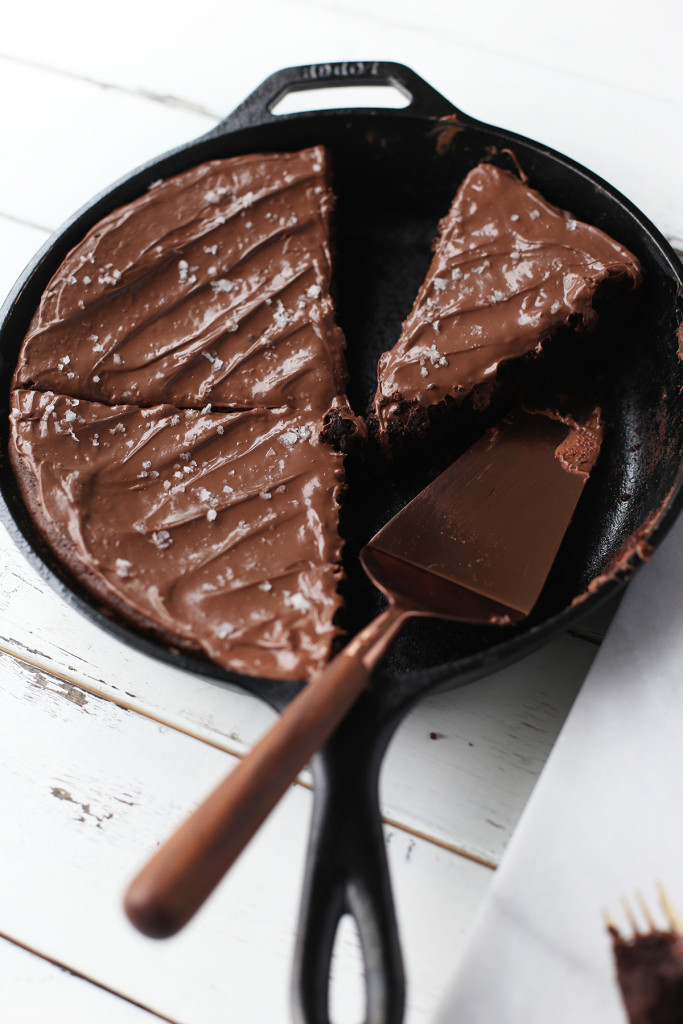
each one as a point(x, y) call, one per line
point(509, 270)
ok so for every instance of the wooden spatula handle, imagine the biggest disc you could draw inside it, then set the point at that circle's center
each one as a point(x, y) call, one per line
point(180, 876)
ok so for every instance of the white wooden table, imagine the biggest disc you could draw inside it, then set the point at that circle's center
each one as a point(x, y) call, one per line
point(103, 750)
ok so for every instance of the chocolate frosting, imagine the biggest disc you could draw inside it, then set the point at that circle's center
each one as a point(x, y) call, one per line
point(216, 529)
point(212, 288)
point(508, 270)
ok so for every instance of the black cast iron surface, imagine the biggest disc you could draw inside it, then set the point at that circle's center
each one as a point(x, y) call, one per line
point(395, 174)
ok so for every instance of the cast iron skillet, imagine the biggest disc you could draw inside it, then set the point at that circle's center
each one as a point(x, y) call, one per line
point(395, 173)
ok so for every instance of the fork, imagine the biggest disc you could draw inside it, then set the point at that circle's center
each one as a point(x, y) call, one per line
point(649, 961)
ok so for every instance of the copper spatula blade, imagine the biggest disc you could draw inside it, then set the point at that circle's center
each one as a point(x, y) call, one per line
point(493, 522)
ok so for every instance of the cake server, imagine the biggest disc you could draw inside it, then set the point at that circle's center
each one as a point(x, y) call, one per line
point(476, 546)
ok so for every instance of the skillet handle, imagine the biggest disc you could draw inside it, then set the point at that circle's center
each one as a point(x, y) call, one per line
point(257, 108)
point(347, 872)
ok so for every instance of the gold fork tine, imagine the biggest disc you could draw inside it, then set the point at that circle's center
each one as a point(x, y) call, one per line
point(672, 918)
point(669, 909)
point(645, 911)
point(630, 916)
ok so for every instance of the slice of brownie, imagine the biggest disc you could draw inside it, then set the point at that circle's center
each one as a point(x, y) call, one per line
point(212, 288)
point(215, 531)
point(508, 270)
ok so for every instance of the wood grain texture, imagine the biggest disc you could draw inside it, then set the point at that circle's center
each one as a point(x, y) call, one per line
point(104, 784)
point(35, 989)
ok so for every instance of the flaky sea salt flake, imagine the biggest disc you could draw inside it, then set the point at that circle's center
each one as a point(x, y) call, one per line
point(298, 602)
point(222, 285)
point(281, 315)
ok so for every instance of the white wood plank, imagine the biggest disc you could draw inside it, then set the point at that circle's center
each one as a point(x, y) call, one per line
point(34, 990)
point(91, 788)
point(20, 242)
point(463, 764)
point(69, 139)
point(632, 51)
point(527, 87)
point(465, 789)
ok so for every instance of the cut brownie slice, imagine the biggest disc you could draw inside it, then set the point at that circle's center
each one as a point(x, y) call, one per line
point(215, 531)
point(212, 288)
point(508, 270)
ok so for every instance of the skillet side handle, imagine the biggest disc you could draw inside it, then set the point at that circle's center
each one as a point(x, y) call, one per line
point(347, 872)
point(257, 108)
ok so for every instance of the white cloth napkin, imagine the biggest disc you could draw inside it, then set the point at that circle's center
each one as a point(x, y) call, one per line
point(605, 820)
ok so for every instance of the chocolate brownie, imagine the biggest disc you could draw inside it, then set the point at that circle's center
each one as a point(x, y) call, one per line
point(508, 270)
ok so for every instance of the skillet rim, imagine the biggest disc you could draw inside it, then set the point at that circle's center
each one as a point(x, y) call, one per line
point(427, 107)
